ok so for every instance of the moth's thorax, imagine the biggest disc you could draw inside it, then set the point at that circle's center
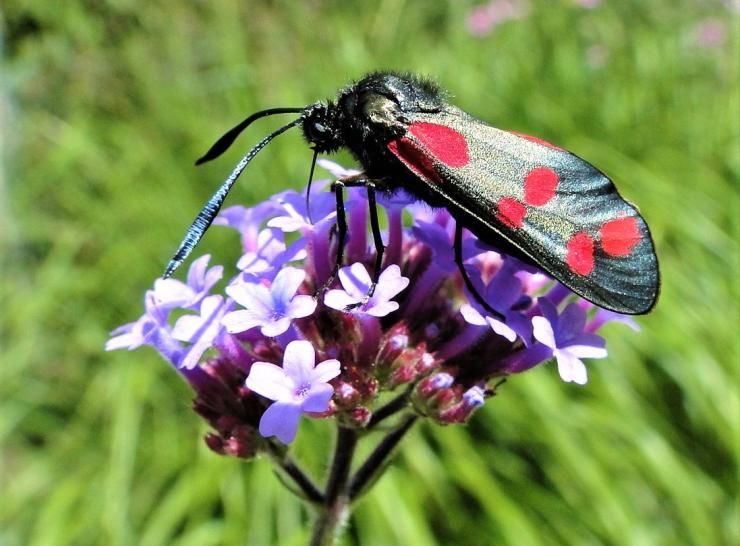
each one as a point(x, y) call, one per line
point(369, 114)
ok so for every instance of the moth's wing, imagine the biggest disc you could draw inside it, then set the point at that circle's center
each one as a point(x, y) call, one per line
point(546, 203)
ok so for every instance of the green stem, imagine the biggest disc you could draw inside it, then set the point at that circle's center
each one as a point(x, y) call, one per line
point(376, 461)
point(334, 511)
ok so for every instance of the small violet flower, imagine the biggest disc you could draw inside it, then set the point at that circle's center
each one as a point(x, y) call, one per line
point(356, 282)
point(300, 386)
point(564, 335)
point(200, 330)
point(273, 308)
point(170, 293)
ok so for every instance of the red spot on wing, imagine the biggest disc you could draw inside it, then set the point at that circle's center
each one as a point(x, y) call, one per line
point(539, 186)
point(537, 140)
point(580, 257)
point(445, 144)
point(619, 237)
point(511, 212)
point(415, 159)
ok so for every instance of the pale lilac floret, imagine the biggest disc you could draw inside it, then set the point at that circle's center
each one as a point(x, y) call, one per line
point(356, 282)
point(247, 221)
point(502, 293)
point(473, 397)
point(151, 329)
point(171, 293)
point(336, 169)
point(300, 386)
point(200, 330)
point(294, 216)
point(564, 335)
point(273, 308)
point(269, 256)
point(441, 242)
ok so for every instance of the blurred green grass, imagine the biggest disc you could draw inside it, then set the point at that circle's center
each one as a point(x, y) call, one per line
point(105, 106)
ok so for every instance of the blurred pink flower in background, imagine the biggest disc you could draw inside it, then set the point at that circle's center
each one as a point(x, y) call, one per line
point(710, 33)
point(483, 19)
point(588, 4)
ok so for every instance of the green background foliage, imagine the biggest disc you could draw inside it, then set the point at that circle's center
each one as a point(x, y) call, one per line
point(105, 104)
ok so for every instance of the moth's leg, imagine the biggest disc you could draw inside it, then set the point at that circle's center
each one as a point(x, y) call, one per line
point(370, 185)
point(308, 186)
point(466, 279)
point(341, 232)
point(358, 180)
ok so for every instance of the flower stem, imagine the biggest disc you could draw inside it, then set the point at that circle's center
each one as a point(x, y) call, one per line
point(299, 477)
point(395, 405)
point(335, 508)
point(375, 463)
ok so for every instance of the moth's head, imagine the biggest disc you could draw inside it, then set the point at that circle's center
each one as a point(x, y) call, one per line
point(321, 127)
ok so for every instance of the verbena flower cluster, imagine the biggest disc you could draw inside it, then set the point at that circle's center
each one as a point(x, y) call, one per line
point(274, 346)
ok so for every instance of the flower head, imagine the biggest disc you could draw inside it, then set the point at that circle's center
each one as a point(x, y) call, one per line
point(300, 386)
point(273, 308)
point(420, 333)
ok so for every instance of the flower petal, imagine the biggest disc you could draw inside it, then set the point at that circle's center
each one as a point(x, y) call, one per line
point(254, 296)
point(355, 280)
point(275, 327)
point(325, 371)
point(281, 420)
point(339, 299)
point(318, 397)
point(471, 315)
point(298, 361)
point(270, 381)
point(241, 321)
point(382, 309)
point(286, 284)
point(571, 322)
point(571, 368)
point(301, 306)
point(542, 331)
point(501, 328)
point(391, 282)
point(187, 327)
point(586, 351)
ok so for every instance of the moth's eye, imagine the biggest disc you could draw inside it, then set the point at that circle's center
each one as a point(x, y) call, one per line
point(320, 128)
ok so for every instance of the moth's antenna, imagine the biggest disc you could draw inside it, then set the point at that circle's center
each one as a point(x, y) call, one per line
point(211, 208)
point(223, 143)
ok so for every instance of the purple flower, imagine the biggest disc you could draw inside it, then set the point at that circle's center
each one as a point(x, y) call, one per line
point(300, 386)
point(474, 397)
point(273, 308)
point(294, 216)
point(247, 221)
point(269, 256)
point(356, 282)
point(171, 293)
point(564, 335)
point(502, 293)
point(200, 330)
point(151, 329)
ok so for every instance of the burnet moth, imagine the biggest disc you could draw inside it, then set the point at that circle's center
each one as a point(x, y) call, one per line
point(522, 195)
